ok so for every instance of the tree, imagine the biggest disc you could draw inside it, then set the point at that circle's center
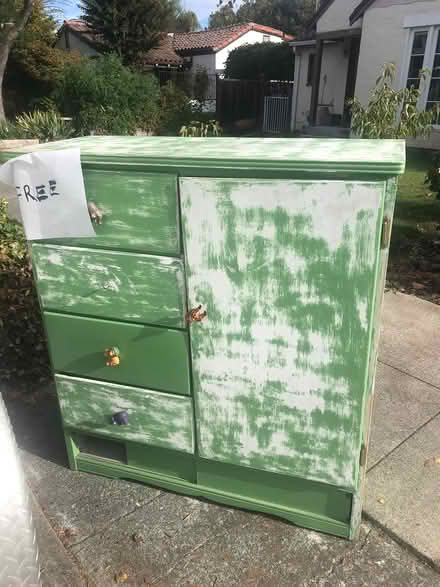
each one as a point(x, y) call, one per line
point(34, 62)
point(186, 22)
point(13, 16)
point(223, 17)
point(129, 28)
point(390, 113)
point(272, 60)
point(289, 16)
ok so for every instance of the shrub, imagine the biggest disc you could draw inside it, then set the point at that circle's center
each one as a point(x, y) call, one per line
point(197, 128)
point(45, 126)
point(272, 60)
point(175, 109)
point(104, 97)
point(9, 131)
point(390, 113)
point(23, 352)
point(432, 178)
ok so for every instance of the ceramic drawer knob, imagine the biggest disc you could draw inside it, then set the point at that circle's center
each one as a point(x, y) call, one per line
point(113, 356)
point(96, 214)
point(120, 418)
point(196, 315)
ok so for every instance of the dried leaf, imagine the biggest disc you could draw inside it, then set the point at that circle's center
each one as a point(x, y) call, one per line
point(121, 577)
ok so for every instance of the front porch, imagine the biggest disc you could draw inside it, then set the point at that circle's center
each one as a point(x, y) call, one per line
point(326, 68)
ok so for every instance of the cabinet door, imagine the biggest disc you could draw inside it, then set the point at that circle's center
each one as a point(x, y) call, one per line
point(286, 271)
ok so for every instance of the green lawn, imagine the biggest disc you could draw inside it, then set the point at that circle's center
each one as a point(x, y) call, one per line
point(416, 216)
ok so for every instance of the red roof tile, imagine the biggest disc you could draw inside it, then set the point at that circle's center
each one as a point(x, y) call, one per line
point(171, 45)
point(215, 39)
point(164, 54)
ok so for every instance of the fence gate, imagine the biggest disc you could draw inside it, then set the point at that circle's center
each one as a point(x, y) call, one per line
point(276, 114)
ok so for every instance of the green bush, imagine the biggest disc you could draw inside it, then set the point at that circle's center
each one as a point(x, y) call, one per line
point(274, 61)
point(45, 126)
point(175, 109)
point(9, 131)
point(23, 352)
point(432, 178)
point(104, 97)
point(390, 113)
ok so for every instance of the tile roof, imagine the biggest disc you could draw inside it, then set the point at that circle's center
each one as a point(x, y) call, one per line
point(82, 29)
point(215, 39)
point(167, 53)
point(164, 54)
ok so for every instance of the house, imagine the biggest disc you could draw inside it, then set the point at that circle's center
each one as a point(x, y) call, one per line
point(75, 35)
point(208, 49)
point(205, 50)
point(343, 54)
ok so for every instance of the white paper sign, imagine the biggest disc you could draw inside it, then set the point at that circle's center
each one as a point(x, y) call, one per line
point(47, 190)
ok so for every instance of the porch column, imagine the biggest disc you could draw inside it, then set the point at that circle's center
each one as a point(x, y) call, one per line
point(315, 83)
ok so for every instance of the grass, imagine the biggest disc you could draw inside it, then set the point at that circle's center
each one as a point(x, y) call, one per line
point(416, 216)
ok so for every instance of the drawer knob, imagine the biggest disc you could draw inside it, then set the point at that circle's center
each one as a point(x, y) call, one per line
point(120, 418)
point(112, 355)
point(95, 213)
point(196, 315)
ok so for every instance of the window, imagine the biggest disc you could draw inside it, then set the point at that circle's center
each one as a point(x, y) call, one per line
point(425, 53)
point(266, 38)
point(310, 69)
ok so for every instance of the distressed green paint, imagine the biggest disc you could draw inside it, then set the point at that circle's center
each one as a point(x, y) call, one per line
point(159, 419)
point(284, 254)
point(286, 271)
point(236, 155)
point(152, 357)
point(139, 211)
point(133, 287)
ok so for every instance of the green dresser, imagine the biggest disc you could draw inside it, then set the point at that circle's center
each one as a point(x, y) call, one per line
point(219, 335)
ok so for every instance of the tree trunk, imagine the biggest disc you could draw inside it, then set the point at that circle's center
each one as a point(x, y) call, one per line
point(6, 43)
point(4, 53)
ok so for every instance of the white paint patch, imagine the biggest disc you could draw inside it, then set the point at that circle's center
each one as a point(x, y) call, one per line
point(286, 388)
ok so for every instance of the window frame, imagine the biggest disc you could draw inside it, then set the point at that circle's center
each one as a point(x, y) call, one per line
point(433, 31)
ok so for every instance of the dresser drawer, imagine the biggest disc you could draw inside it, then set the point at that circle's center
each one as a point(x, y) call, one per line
point(150, 356)
point(139, 211)
point(155, 418)
point(124, 286)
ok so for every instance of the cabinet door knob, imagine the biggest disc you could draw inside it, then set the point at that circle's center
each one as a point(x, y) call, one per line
point(113, 357)
point(95, 213)
point(120, 418)
point(195, 315)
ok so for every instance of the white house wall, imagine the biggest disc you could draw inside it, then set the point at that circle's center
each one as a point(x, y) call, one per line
point(248, 38)
point(332, 84)
point(204, 62)
point(336, 17)
point(384, 39)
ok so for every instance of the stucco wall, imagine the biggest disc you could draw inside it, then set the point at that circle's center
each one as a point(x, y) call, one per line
point(336, 17)
point(76, 45)
point(332, 84)
point(249, 38)
point(385, 40)
point(204, 62)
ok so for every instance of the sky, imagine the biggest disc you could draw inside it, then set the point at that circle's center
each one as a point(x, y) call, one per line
point(202, 8)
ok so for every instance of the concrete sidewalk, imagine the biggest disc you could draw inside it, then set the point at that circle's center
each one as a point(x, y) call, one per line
point(96, 531)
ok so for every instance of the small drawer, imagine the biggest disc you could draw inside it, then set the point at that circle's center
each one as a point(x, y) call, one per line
point(139, 211)
point(126, 286)
point(149, 356)
point(152, 417)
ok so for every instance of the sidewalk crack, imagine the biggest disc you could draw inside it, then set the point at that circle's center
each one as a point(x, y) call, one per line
point(111, 522)
point(436, 415)
point(409, 374)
